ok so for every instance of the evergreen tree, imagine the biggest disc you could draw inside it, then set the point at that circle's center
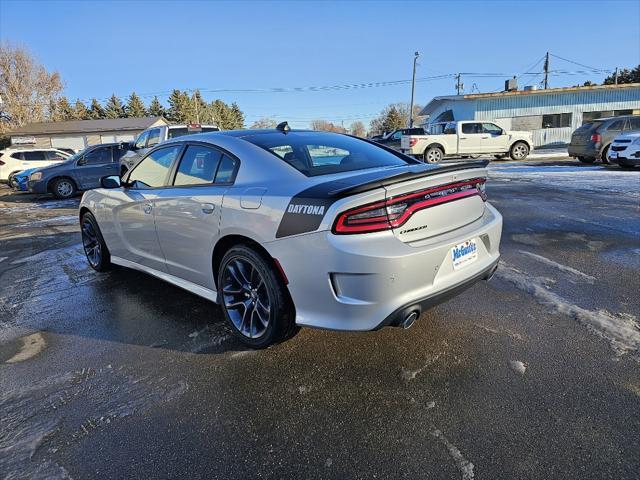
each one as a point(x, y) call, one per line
point(179, 107)
point(222, 115)
point(625, 75)
point(114, 108)
point(64, 110)
point(80, 111)
point(135, 107)
point(238, 116)
point(393, 120)
point(155, 108)
point(96, 112)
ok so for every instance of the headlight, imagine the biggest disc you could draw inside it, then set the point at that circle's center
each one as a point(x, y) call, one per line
point(636, 141)
point(35, 176)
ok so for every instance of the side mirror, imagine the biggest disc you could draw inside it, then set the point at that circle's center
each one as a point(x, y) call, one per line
point(504, 132)
point(112, 181)
point(81, 161)
point(128, 145)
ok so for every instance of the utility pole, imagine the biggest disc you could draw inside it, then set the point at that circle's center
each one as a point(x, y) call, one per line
point(546, 72)
point(195, 102)
point(459, 85)
point(413, 87)
point(615, 77)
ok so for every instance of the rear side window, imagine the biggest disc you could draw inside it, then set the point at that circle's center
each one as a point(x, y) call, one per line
point(471, 128)
point(617, 125)
point(98, 156)
point(18, 155)
point(153, 170)
point(35, 156)
point(324, 153)
point(198, 166)
point(55, 156)
point(226, 170)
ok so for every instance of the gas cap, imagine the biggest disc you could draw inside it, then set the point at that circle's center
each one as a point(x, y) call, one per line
point(251, 198)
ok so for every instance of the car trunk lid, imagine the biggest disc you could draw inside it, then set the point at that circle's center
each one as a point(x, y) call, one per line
point(436, 204)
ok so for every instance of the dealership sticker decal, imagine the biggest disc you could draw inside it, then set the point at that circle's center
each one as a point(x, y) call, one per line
point(464, 253)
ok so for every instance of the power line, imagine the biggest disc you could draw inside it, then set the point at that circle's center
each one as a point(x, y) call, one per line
point(580, 64)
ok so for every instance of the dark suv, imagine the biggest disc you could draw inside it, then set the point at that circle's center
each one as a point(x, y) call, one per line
point(591, 141)
point(81, 171)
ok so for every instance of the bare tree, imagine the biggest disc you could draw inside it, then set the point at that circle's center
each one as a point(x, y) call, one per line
point(326, 126)
point(358, 129)
point(264, 122)
point(27, 89)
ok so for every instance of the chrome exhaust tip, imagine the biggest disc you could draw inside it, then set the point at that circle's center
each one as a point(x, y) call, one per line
point(409, 319)
point(491, 273)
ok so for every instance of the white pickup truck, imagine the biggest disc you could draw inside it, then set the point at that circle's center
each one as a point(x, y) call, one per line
point(466, 138)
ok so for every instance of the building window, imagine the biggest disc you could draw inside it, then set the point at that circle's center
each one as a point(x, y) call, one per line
point(588, 117)
point(556, 120)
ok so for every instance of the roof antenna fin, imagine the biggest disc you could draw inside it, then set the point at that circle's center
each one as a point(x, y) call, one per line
point(283, 127)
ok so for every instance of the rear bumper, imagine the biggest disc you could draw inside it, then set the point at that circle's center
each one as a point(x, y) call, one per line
point(362, 282)
point(589, 151)
point(430, 301)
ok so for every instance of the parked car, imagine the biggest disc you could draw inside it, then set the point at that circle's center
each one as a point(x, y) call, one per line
point(18, 181)
point(70, 151)
point(287, 228)
point(13, 160)
point(467, 138)
point(592, 140)
point(625, 150)
point(155, 135)
point(82, 171)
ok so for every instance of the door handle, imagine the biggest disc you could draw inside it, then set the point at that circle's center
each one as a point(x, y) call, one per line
point(147, 208)
point(484, 138)
point(463, 138)
point(208, 208)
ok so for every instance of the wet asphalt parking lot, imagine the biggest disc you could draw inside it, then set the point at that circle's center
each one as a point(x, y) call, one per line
point(533, 375)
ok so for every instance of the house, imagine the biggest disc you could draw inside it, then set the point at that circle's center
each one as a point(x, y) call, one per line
point(79, 134)
point(551, 115)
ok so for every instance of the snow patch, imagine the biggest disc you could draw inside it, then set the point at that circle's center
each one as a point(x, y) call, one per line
point(620, 330)
point(408, 375)
point(559, 266)
point(32, 345)
point(501, 331)
point(464, 466)
point(518, 366)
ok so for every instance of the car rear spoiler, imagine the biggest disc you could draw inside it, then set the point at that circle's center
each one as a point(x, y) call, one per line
point(370, 181)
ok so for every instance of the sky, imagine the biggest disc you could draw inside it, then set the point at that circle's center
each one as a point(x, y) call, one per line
point(245, 51)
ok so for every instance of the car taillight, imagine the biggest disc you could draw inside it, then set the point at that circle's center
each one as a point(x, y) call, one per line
point(395, 211)
point(1, 163)
point(596, 137)
point(412, 142)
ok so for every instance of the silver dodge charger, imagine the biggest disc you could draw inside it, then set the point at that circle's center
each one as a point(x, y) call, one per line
point(286, 228)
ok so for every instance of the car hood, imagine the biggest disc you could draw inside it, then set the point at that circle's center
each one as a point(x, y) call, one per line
point(628, 136)
point(53, 167)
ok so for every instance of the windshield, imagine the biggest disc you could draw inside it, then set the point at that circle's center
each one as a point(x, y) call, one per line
point(323, 153)
point(182, 131)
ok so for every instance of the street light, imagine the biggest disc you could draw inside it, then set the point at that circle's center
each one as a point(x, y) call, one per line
point(413, 87)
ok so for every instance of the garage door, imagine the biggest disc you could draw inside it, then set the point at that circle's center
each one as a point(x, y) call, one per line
point(125, 137)
point(77, 143)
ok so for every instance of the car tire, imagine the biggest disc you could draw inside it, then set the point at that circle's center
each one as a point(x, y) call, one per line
point(603, 156)
point(93, 243)
point(63, 188)
point(587, 159)
point(433, 155)
point(519, 151)
point(254, 299)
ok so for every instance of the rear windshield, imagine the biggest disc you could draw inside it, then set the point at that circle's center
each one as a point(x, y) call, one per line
point(413, 131)
point(181, 131)
point(320, 153)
